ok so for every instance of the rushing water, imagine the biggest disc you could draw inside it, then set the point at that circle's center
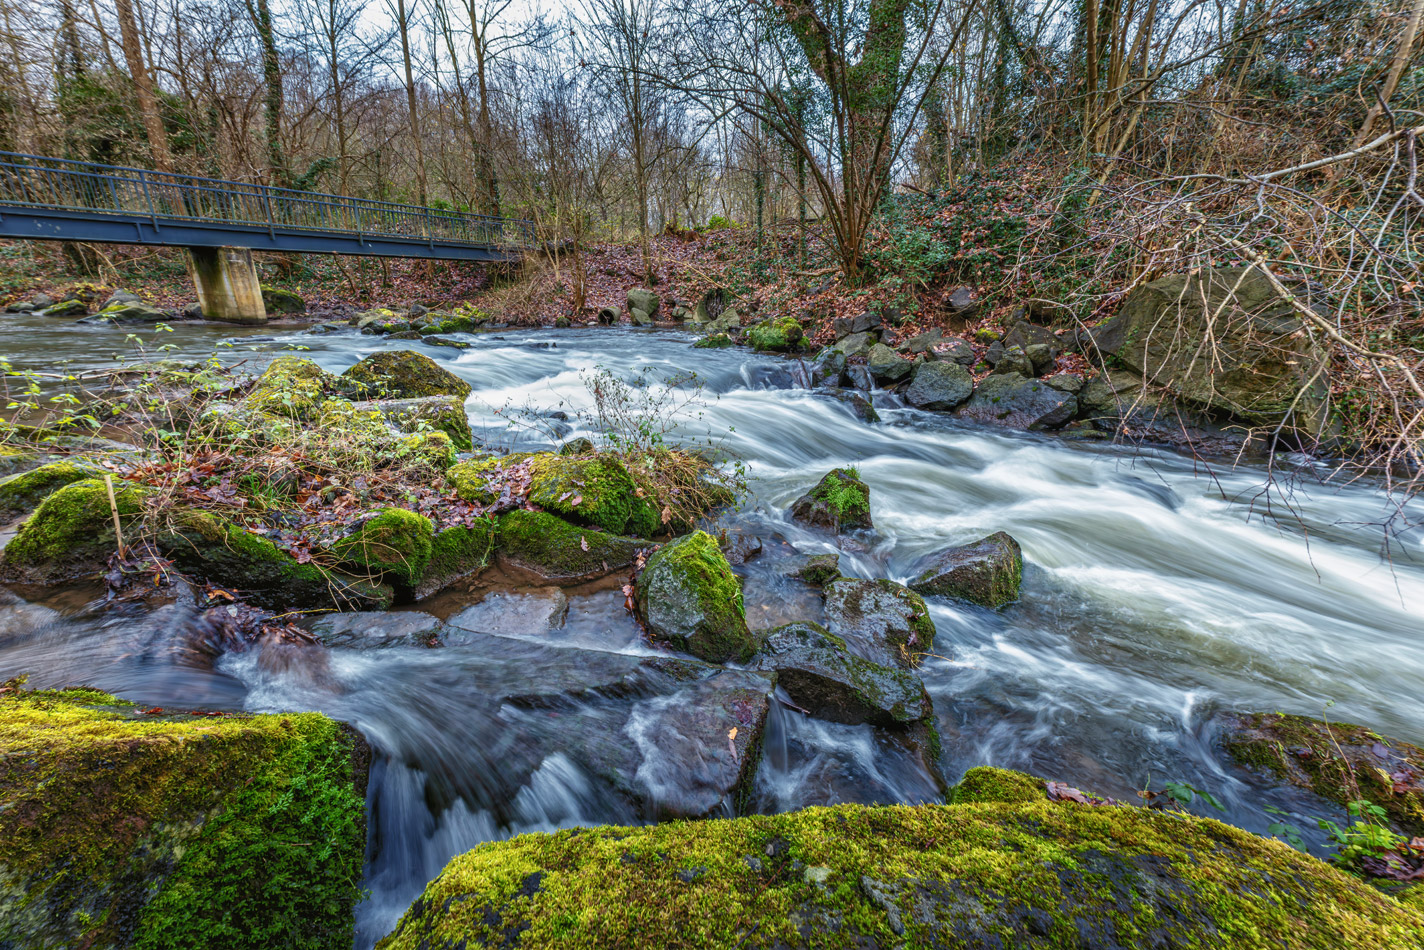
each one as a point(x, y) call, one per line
point(1155, 596)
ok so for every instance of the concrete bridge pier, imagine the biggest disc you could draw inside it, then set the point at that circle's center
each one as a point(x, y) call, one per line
point(228, 288)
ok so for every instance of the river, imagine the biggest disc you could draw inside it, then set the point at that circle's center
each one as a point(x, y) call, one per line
point(1158, 593)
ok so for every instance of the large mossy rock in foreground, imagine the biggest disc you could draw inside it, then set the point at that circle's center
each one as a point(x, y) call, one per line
point(1263, 366)
point(71, 534)
point(1020, 873)
point(689, 597)
point(125, 828)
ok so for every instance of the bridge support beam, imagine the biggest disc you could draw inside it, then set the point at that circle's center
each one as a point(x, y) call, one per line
point(228, 288)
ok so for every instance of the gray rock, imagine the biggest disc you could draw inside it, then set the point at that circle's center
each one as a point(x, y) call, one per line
point(858, 404)
point(193, 311)
point(961, 303)
point(1026, 334)
point(818, 570)
point(1065, 382)
point(514, 614)
point(121, 297)
point(20, 306)
point(40, 301)
point(827, 369)
point(994, 353)
point(644, 300)
point(840, 501)
point(863, 323)
point(860, 378)
point(129, 313)
point(939, 385)
point(886, 365)
point(640, 317)
point(374, 629)
point(434, 340)
point(856, 344)
point(924, 342)
point(1042, 356)
point(1013, 360)
point(1017, 402)
point(65, 308)
point(955, 351)
point(822, 676)
point(579, 446)
point(880, 621)
point(987, 572)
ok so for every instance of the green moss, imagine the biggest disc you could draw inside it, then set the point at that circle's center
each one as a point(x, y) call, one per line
point(291, 387)
point(1027, 874)
point(395, 544)
point(204, 544)
point(1337, 761)
point(779, 334)
point(840, 500)
point(554, 549)
point(459, 551)
point(21, 493)
point(986, 784)
point(456, 323)
point(715, 341)
point(596, 491)
point(431, 451)
point(71, 534)
point(688, 596)
point(123, 828)
point(440, 414)
point(406, 374)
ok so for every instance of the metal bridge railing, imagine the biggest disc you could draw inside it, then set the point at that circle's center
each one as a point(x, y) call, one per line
point(62, 184)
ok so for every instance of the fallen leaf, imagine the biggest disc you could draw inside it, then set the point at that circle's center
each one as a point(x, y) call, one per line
point(583, 542)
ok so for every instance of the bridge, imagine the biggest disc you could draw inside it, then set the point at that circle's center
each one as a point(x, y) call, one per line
point(221, 222)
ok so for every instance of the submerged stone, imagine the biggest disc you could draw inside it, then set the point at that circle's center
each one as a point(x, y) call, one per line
point(121, 827)
point(515, 613)
point(986, 572)
point(1020, 874)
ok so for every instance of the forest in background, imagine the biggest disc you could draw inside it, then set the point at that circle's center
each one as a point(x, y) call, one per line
point(1049, 153)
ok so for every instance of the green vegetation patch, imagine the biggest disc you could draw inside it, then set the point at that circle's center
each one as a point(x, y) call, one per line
point(596, 491)
point(1021, 874)
point(124, 829)
point(395, 543)
point(779, 335)
point(554, 549)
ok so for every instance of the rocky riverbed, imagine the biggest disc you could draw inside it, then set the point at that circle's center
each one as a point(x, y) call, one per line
point(563, 640)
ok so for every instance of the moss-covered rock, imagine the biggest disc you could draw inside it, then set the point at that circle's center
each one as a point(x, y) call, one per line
point(1337, 761)
point(293, 387)
point(124, 828)
point(396, 544)
point(427, 451)
point(481, 480)
point(713, 341)
point(278, 300)
point(23, 492)
point(688, 596)
point(776, 335)
point(210, 547)
point(592, 490)
point(456, 322)
point(71, 534)
point(839, 501)
point(555, 550)
point(429, 414)
point(985, 784)
point(880, 620)
point(823, 677)
point(818, 570)
point(457, 552)
point(405, 374)
point(986, 572)
point(1019, 874)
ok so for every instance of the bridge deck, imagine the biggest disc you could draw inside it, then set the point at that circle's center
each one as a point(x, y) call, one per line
point(60, 200)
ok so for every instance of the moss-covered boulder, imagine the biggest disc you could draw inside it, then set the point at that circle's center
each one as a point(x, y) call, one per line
point(121, 827)
point(553, 549)
point(405, 374)
point(394, 545)
point(713, 341)
point(457, 552)
point(426, 451)
point(823, 677)
point(839, 501)
point(1337, 761)
point(688, 596)
point(71, 534)
point(14, 459)
point(482, 480)
point(776, 335)
point(887, 366)
point(986, 572)
point(278, 300)
point(23, 492)
point(1015, 874)
point(210, 547)
point(880, 620)
point(592, 490)
point(428, 414)
point(293, 387)
point(456, 322)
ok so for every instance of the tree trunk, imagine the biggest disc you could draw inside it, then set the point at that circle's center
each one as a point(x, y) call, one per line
point(143, 86)
point(404, 25)
point(1396, 70)
point(272, 83)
